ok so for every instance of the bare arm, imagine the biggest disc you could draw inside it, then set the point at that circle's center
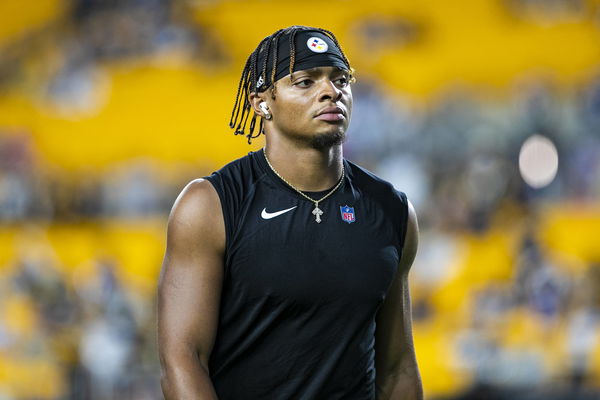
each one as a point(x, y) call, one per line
point(189, 292)
point(398, 375)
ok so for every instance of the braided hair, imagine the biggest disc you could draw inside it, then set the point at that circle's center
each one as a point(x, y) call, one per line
point(254, 77)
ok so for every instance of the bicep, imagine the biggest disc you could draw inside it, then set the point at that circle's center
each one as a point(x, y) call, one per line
point(191, 278)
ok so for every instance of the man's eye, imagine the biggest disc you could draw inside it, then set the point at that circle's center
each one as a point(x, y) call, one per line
point(304, 83)
point(343, 81)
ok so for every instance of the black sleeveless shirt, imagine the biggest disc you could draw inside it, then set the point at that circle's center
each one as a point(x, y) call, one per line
point(299, 298)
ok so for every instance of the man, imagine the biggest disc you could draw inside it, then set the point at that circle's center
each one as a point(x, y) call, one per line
point(285, 274)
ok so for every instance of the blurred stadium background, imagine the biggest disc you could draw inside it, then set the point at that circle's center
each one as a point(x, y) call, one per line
point(486, 112)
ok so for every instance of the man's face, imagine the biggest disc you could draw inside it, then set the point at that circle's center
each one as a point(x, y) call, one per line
point(313, 106)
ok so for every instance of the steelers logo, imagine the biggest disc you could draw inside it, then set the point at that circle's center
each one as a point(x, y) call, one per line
point(317, 45)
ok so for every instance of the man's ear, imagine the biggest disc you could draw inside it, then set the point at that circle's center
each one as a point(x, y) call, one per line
point(255, 100)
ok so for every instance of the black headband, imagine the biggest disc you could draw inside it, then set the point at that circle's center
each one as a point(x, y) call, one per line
point(313, 49)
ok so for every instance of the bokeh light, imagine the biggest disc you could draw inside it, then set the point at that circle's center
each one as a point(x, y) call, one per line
point(538, 161)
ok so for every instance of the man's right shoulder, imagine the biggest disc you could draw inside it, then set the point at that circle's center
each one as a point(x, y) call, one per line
point(197, 200)
point(196, 214)
point(216, 198)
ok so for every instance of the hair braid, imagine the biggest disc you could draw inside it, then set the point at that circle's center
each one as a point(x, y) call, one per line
point(263, 72)
point(276, 37)
point(236, 109)
point(293, 49)
point(254, 66)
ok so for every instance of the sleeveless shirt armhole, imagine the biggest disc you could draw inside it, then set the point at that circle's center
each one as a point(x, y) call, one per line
point(217, 183)
point(403, 219)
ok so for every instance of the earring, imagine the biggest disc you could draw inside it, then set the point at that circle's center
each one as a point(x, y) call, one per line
point(268, 116)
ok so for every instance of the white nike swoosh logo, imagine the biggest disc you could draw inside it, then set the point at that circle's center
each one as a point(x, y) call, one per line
point(268, 215)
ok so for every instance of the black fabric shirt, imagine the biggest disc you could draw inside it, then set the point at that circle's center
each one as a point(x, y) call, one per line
point(299, 298)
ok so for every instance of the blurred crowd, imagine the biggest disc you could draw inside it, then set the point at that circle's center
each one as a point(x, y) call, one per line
point(73, 339)
point(31, 190)
point(529, 331)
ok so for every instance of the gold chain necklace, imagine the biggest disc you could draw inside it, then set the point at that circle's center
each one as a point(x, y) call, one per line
point(317, 212)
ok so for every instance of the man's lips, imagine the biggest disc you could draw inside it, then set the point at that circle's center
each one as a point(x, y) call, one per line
point(331, 114)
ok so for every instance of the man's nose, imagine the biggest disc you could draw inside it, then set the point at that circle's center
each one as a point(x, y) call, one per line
point(329, 91)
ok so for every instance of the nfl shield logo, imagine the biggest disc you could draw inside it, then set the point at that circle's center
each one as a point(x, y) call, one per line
point(347, 214)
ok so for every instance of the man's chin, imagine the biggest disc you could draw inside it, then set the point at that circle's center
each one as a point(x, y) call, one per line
point(325, 140)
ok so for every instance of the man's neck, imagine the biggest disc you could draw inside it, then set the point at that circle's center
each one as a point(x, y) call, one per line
point(306, 168)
